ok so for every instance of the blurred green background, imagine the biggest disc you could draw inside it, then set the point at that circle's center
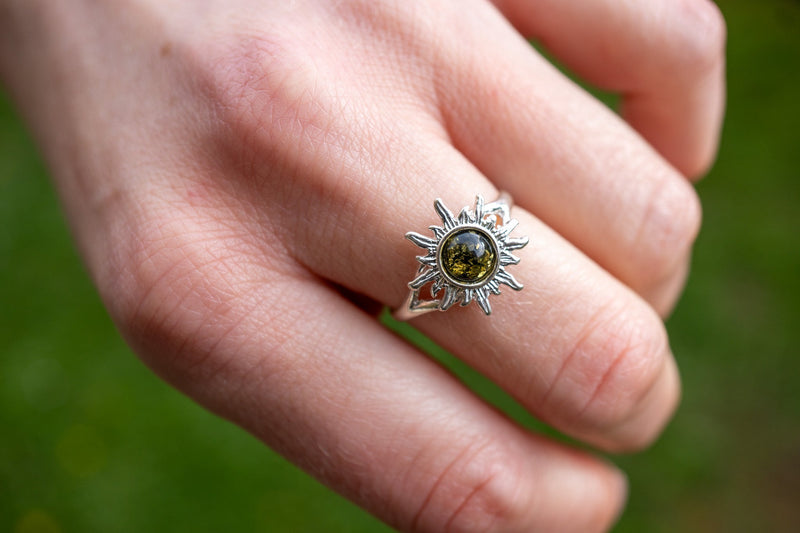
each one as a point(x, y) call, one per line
point(91, 441)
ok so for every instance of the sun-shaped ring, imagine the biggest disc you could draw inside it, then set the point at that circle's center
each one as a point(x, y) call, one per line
point(467, 258)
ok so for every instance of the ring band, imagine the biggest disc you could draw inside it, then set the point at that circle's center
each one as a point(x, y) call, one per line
point(466, 260)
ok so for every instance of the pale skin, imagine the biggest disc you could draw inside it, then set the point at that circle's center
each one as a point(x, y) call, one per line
point(239, 176)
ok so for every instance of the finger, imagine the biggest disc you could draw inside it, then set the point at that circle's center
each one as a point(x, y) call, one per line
point(665, 57)
point(580, 349)
point(570, 161)
point(577, 348)
point(326, 386)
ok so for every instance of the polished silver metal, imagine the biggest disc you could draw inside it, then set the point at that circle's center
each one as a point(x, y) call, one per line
point(493, 221)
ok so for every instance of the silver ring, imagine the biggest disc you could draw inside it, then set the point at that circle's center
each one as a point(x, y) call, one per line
point(466, 260)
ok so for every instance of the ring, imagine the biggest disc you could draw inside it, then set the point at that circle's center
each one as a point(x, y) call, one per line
point(466, 260)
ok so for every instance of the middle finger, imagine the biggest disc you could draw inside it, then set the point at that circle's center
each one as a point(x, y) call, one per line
point(576, 347)
point(569, 159)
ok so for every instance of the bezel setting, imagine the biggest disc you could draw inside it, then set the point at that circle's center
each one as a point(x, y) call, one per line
point(495, 250)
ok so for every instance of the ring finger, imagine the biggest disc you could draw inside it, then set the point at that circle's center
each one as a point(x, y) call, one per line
point(578, 348)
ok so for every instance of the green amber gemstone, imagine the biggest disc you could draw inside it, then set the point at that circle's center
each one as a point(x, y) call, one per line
point(468, 256)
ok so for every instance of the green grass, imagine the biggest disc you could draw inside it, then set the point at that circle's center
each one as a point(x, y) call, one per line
point(91, 441)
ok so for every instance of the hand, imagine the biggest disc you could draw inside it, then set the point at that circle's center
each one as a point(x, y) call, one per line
point(235, 172)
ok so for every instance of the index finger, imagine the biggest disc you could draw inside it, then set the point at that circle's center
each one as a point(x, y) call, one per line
point(665, 57)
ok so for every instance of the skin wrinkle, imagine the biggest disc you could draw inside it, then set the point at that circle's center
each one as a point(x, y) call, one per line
point(284, 359)
point(136, 315)
point(457, 513)
point(227, 274)
point(222, 336)
point(412, 469)
point(640, 406)
point(182, 310)
point(434, 488)
point(566, 306)
point(425, 454)
point(255, 376)
point(590, 328)
point(641, 390)
point(604, 379)
point(444, 481)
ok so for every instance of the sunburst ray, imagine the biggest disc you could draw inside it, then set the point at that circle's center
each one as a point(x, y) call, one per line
point(451, 296)
point(508, 279)
point(422, 241)
point(468, 295)
point(516, 244)
point(445, 214)
point(483, 301)
point(438, 231)
point(427, 260)
point(507, 258)
point(506, 229)
point(493, 286)
point(422, 279)
point(437, 286)
point(479, 209)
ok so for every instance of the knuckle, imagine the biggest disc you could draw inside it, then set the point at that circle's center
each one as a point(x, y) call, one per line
point(476, 491)
point(613, 364)
point(176, 296)
point(701, 44)
point(161, 279)
point(267, 92)
point(670, 222)
point(634, 349)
